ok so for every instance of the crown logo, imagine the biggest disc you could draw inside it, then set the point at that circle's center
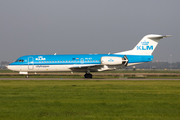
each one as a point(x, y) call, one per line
point(144, 43)
point(40, 58)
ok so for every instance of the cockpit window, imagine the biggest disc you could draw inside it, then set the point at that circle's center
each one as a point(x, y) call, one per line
point(21, 60)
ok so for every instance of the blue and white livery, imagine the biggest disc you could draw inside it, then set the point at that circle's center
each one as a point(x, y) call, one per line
point(87, 63)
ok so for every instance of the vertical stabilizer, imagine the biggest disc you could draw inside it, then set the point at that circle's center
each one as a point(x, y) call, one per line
point(146, 46)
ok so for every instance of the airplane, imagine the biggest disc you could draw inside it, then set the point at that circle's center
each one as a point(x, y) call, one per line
point(88, 63)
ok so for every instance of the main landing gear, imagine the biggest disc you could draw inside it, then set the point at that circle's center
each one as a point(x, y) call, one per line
point(88, 75)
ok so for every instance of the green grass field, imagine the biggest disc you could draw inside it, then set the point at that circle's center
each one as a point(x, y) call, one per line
point(96, 76)
point(87, 100)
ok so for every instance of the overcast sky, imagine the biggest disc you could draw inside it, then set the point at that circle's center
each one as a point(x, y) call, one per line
point(87, 26)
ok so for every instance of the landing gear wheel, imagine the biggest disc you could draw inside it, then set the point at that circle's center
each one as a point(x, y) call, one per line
point(27, 76)
point(88, 75)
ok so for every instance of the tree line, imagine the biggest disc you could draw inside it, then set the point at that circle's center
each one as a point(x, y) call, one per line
point(3, 64)
point(158, 65)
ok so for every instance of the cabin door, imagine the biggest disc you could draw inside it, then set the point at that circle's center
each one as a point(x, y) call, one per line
point(30, 63)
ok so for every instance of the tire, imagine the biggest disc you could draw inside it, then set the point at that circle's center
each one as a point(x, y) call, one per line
point(88, 76)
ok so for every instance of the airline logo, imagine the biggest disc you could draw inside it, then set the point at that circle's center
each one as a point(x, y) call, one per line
point(145, 46)
point(111, 60)
point(40, 58)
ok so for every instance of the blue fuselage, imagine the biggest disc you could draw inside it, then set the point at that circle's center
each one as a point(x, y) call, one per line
point(78, 63)
point(75, 59)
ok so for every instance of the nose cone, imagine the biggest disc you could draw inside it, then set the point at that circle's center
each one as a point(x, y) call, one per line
point(9, 67)
point(14, 67)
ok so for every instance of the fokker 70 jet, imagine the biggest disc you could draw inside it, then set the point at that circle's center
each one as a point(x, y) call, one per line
point(87, 63)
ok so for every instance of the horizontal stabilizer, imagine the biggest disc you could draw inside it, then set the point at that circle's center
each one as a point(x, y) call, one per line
point(158, 36)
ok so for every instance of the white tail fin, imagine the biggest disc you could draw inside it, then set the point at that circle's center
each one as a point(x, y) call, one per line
point(146, 46)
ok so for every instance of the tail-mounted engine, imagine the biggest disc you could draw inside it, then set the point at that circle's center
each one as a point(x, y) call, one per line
point(114, 60)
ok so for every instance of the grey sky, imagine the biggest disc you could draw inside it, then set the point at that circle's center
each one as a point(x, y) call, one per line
point(87, 26)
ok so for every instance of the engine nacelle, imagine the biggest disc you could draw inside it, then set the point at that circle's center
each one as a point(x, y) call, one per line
point(111, 60)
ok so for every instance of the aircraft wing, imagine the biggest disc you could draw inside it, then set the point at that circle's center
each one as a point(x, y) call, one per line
point(84, 67)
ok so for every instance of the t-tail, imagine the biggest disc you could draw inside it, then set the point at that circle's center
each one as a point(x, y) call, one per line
point(146, 46)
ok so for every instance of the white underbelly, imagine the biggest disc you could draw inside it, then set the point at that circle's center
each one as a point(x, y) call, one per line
point(51, 68)
point(39, 68)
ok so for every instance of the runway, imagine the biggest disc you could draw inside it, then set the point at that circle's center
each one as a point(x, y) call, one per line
point(143, 79)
